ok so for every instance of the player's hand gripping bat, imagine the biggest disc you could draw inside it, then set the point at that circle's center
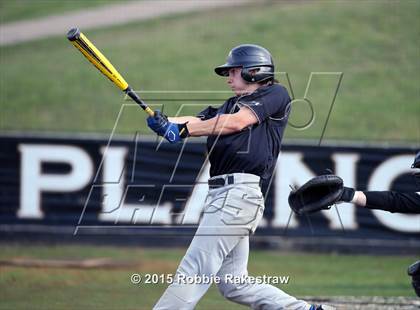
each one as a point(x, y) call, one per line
point(79, 40)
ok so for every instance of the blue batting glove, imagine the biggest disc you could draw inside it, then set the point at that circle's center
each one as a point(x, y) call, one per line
point(172, 132)
point(157, 122)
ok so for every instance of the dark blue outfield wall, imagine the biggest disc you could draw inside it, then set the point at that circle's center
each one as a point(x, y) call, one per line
point(138, 192)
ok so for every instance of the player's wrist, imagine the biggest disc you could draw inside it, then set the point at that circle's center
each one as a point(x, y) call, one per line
point(359, 199)
point(183, 130)
point(348, 194)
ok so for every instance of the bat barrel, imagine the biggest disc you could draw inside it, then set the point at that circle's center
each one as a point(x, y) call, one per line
point(88, 49)
point(73, 34)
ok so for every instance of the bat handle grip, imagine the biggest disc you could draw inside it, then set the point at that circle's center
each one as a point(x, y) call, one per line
point(132, 94)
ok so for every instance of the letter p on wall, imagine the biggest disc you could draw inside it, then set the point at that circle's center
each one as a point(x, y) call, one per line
point(34, 181)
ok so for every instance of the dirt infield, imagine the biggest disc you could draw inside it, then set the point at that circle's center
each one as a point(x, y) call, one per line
point(369, 303)
point(104, 263)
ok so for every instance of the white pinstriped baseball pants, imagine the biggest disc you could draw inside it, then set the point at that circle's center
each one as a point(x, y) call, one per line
point(221, 246)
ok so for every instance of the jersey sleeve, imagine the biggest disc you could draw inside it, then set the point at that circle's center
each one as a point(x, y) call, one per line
point(393, 201)
point(207, 113)
point(273, 102)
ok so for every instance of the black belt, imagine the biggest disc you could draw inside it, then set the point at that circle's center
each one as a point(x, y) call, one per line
point(220, 182)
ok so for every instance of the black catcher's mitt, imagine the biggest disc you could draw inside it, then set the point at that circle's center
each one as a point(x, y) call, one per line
point(317, 194)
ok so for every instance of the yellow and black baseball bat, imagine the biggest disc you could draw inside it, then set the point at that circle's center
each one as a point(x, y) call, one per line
point(82, 43)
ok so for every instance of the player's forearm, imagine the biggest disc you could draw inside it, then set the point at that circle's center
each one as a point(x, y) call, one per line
point(184, 119)
point(221, 124)
point(392, 201)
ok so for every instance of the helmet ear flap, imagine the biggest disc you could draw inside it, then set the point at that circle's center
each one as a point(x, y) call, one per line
point(260, 74)
point(247, 75)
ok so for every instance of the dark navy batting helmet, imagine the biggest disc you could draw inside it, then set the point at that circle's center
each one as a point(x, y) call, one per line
point(249, 57)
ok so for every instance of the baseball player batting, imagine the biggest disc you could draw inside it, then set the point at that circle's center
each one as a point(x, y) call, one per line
point(244, 141)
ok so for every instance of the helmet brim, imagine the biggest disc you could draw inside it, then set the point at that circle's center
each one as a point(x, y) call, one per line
point(223, 70)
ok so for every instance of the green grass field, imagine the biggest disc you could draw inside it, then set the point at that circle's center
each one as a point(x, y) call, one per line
point(47, 85)
point(62, 288)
